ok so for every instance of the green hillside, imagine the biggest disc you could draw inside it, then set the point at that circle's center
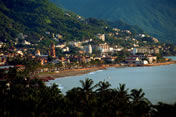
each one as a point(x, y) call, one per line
point(36, 17)
point(156, 17)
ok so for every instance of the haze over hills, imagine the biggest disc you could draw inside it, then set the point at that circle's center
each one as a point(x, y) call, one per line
point(156, 17)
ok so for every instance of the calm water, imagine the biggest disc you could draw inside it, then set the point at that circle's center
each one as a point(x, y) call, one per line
point(158, 83)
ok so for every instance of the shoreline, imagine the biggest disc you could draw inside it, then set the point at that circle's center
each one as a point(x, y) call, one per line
point(73, 72)
point(76, 72)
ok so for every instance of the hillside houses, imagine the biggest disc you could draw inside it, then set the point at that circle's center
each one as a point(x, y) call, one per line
point(113, 47)
point(101, 36)
point(1, 44)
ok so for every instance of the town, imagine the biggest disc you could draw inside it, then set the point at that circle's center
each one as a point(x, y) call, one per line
point(86, 53)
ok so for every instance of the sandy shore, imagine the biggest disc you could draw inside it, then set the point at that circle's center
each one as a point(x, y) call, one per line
point(75, 72)
point(72, 72)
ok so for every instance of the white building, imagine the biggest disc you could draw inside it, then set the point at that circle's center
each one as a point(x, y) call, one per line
point(116, 29)
point(59, 36)
point(111, 49)
point(101, 37)
point(1, 44)
point(60, 46)
point(26, 42)
point(151, 59)
point(145, 62)
point(88, 49)
point(133, 60)
point(75, 44)
point(19, 52)
point(145, 50)
point(141, 35)
point(66, 49)
point(104, 47)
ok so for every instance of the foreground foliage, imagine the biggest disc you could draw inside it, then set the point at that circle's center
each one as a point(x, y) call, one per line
point(23, 97)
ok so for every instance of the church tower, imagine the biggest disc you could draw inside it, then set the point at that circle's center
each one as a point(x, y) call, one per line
point(53, 51)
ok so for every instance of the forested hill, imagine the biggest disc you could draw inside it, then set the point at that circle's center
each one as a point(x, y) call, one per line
point(156, 17)
point(36, 17)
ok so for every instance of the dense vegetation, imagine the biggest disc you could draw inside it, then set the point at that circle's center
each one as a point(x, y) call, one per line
point(23, 97)
point(124, 26)
point(156, 17)
point(36, 17)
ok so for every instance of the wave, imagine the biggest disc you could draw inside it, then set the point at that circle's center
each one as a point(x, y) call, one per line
point(95, 72)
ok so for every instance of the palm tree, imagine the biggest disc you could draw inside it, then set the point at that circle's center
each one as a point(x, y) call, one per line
point(88, 100)
point(122, 92)
point(121, 99)
point(87, 87)
point(141, 106)
point(103, 86)
point(104, 97)
point(164, 110)
point(137, 95)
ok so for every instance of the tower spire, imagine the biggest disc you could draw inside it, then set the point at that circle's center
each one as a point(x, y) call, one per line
point(53, 51)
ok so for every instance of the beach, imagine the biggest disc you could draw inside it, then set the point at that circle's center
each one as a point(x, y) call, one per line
point(74, 72)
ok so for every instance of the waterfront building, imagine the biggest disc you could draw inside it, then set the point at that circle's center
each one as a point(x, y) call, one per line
point(133, 60)
point(151, 59)
point(145, 50)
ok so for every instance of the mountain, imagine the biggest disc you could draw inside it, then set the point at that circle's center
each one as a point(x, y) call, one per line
point(156, 17)
point(33, 20)
point(36, 17)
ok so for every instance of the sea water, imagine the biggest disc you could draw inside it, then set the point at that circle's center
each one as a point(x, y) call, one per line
point(158, 82)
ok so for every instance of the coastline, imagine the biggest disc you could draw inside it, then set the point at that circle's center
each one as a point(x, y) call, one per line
point(159, 64)
point(72, 72)
point(76, 72)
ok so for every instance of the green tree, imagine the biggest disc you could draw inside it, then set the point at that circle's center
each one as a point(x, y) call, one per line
point(141, 106)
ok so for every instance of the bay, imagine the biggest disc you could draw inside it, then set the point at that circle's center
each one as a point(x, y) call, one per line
point(158, 82)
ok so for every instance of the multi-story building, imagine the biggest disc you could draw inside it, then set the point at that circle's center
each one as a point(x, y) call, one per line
point(101, 37)
point(145, 51)
point(104, 47)
point(133, 59)
point(88, 49)
point(140, 59)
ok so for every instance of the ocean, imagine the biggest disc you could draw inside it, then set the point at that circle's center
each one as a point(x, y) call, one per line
point(157, 82)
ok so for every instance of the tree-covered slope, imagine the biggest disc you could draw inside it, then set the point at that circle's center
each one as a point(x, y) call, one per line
point(36, 17)
point(156, 17)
